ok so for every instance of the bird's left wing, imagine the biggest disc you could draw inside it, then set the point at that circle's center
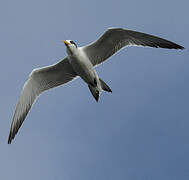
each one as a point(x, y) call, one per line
point(39, 80)
point(116, 38)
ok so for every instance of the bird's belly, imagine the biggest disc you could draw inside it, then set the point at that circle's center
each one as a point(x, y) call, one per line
point(83, 68)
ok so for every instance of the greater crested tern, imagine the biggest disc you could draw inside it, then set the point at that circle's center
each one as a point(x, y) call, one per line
point(80, 61)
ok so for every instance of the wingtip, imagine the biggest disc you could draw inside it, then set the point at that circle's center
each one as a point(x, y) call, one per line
point(182, 48)
point(11, 135)
point(176, 46)
point(9, 141)
point(10, 138)
point(170, 46)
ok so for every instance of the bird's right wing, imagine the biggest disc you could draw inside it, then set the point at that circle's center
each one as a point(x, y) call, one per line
point(40, 79)
point(115, 39)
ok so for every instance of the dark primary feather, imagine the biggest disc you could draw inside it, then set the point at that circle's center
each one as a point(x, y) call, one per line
point(116, 38)
point(39, 81)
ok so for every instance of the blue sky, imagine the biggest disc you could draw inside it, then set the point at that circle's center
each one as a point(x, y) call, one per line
point(140, 131)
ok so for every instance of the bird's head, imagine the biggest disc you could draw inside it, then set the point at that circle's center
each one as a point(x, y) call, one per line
point(70, 43)
point(71, 46)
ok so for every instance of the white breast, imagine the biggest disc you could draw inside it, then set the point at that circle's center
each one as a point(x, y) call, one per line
point(82, 65)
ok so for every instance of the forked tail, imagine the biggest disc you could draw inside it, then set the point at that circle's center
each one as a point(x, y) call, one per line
point(95, 91)
point(104, 86)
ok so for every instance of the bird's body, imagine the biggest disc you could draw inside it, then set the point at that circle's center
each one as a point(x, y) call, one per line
point(83, 66)
point(80, 62)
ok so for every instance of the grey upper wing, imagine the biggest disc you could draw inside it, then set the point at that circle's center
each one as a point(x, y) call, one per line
point(39, 80)
point(116, 38)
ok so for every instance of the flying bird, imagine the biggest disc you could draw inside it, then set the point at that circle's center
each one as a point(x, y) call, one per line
point(80, 62)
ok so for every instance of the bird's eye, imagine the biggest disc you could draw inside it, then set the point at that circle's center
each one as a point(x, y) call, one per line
point(73, 43)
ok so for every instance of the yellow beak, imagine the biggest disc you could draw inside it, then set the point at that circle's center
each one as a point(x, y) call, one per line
point(66, 42)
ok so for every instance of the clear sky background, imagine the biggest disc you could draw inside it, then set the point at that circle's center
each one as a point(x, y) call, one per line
point(139, 132)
